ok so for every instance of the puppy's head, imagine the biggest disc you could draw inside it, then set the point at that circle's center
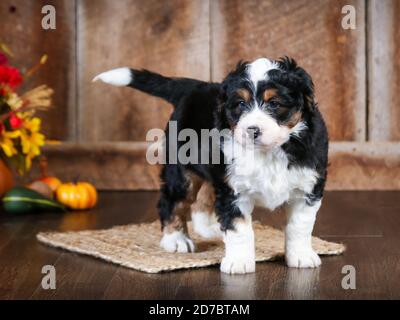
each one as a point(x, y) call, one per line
point(265, 102)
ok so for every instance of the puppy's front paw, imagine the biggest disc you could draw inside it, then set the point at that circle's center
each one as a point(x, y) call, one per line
point(177, 241)
point(305, 258)
point(238, 265)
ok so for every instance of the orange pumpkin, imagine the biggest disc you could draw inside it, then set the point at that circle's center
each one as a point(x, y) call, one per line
point(52, 182)
point(6, 178)
point(79, 196)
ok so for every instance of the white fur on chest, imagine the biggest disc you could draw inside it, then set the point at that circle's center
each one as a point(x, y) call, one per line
point(262, 177)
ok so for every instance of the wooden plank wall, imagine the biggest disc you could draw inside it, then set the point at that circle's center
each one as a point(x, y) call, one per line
point(384, 70)
point(312, 34)
point(22, 31)
point(170, 37)
point(356, 74)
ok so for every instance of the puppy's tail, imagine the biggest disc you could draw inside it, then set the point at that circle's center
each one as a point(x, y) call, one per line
point(169, 89)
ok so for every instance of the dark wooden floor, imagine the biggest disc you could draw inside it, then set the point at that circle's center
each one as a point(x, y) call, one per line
point(367, 222)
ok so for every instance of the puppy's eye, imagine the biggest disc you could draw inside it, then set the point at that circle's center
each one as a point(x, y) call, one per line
point(242, 104)
point(273, 105)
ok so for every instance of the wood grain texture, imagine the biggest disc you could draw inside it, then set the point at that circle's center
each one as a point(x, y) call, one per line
point(23, 259)
point(310, 32)
point(110, 166)
point(367, 166)
point(21, 30)
point(169, 37)
point(367, 222)
point(384, 70)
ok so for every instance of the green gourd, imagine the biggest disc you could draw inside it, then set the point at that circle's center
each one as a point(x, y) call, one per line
point(24, 200)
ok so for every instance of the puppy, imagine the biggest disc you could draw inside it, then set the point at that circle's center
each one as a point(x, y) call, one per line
point(274, 154)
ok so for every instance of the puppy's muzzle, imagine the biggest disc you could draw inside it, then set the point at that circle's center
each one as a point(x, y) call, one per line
point(253, 132)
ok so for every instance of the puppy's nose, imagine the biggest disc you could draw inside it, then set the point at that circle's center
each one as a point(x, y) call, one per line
point(254, 132)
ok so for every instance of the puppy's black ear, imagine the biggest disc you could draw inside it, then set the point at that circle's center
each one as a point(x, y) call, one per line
point(223, 93)
point(219, 115)
point(301, 79)
point(307, 87)
point(286, 63)
point(231, 79)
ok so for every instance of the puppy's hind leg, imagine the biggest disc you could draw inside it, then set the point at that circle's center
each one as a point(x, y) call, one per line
point(177, 193)
point(204, 219)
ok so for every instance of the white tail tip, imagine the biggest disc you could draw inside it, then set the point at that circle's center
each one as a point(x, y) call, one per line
point(120, 77)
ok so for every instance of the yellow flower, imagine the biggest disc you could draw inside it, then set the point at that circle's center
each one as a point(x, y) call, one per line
point(7, 144)
point(31, 140)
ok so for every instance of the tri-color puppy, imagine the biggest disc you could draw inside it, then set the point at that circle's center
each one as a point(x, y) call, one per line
point(268, 105)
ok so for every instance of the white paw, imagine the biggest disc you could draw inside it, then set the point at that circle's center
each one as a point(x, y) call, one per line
point(302, 259)
point(238, 266)
point(177, 241)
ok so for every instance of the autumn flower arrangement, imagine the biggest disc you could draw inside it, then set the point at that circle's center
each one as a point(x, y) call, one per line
point(20, 136)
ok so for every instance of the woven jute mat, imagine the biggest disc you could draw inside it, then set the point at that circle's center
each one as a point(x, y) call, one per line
point(136, 246)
